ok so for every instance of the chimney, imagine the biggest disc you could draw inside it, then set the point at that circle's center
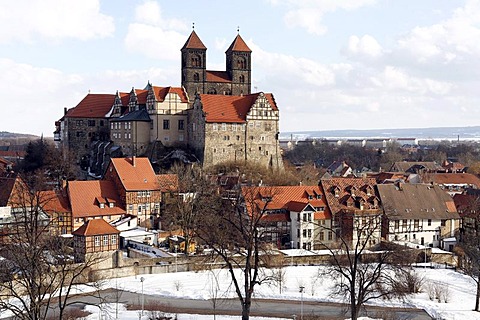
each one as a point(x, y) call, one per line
point(133, 161)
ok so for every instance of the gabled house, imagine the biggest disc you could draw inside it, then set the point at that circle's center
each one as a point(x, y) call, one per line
point(453, 166)
point(355, 206)
point(95, 199)
point(20, 209)
point(295, 216)
point(95, 237)
point(339, 169)
point(57, 207)
point(416, 167)
point(468, 207)
point(422, 214)
point(137, 187)
point(453, 183)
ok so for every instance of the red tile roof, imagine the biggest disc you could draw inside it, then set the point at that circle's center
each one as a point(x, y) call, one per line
point(168, 182)
point(92, 106)
point(222, 108)
point(291, 198)
point(348, 189)
point(218, 76)
point(194, 42)
point(141, 96)
point(95, 227)
point(454, 178)
point(136, 173)
point(238, 45)
point(55, 201)
point(161, 93)
point(84, 194)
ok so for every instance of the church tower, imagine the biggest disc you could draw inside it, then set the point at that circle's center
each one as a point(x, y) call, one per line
point(194, 58)
point(239, 66)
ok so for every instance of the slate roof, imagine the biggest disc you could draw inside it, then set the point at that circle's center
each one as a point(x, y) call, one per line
point(94, 105)
point(194, 42)
point(6, 190)
point(95, 227)
point(231, 109)
point(135, 173)
point(238, 45)
point(85, 195)
point(416, 201)
point(137, 115)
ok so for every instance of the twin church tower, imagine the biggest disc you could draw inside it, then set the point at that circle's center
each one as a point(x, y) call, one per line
point(196, 79)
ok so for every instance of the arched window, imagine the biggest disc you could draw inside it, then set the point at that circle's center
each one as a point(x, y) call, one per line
point(241, 79)
point(212, 91)
point(241, 63)
point(196, 77)
point(196, 61)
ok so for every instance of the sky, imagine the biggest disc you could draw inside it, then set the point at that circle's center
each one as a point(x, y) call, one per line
point(350, 64)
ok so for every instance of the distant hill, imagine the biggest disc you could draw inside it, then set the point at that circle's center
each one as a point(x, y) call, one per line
point(439, 133)
point(10, 135)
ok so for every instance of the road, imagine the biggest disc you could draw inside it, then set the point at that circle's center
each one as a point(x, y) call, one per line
point(260, 307)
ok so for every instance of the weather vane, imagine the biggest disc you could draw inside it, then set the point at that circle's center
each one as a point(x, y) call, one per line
point(193, 25)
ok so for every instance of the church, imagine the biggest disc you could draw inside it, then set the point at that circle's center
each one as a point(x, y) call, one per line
point(213, 113)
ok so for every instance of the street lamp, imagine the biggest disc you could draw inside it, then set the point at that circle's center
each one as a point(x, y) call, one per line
point(176, 268)
point(291, 247)
point(301, 302)
point(143, 297)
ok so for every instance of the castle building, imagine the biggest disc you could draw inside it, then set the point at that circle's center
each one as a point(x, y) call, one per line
point(214, 113)
point(236, 128)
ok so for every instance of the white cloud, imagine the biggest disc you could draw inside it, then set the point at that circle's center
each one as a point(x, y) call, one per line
point(26, 21)
point(308, 14)
point(366, 46)
point(153, 35)
point(34, 95)
point(448, 41)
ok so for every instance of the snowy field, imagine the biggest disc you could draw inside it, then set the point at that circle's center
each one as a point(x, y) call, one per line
point(458, 291)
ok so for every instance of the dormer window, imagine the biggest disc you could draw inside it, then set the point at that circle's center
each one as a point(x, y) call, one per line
point(102, 205)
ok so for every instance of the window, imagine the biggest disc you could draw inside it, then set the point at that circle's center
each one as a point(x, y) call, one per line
point(429, 222)
point(114, 238)
point(181, 124)
point(105, 240)
point(166, 124)
point(196, 61)
point(309, 233)
point(215, 127)
point(397, 224)
point(97, 241)
point(304, 233)
point(241, 79)
point(298, 233)
point(238, 138)
point(330, 235)
point(224, 127)
point(443, 222)
point(416, 223)
point(321, 236)
point(226, 138)
point(196, 77)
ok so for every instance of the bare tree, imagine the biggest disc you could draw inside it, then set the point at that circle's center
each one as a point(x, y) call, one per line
point(233, 229)
point(37, 267)
point(362, 275)
point(193, 194)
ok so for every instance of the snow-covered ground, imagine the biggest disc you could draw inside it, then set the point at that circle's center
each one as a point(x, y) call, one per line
point(458, 290)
